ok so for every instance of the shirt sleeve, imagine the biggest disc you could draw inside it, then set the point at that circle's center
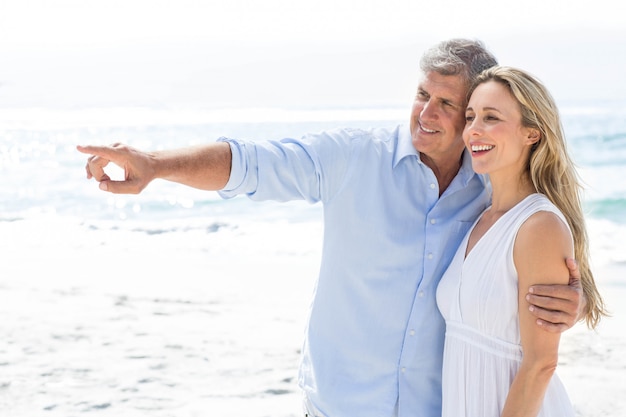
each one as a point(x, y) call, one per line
point(311, 168)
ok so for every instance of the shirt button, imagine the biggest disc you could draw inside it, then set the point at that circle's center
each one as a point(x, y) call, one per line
point(412, 333)
point(403, 369)
point(430, 256)
point(420, 295)
point(433, 221)
point(432, 186)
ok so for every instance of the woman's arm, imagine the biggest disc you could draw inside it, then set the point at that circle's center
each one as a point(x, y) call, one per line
point(558, 307)
point(542, 245)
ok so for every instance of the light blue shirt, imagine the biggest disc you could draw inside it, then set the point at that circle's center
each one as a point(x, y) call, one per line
point(374, 339)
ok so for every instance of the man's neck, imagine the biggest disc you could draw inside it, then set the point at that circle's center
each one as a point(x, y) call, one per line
point(444, 169)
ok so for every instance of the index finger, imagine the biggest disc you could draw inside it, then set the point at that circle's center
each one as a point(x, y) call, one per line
point(106, 152)
point(553, 291)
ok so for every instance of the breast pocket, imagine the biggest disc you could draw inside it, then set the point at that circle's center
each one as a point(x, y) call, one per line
point(461, 228)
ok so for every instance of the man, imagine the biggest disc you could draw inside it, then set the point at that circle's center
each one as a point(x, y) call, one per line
point(396, 206)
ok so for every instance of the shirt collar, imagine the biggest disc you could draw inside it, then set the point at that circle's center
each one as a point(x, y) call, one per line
point(466, 172)
point(405, 148)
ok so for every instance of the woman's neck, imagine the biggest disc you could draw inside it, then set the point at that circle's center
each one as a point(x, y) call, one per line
point(508, 192)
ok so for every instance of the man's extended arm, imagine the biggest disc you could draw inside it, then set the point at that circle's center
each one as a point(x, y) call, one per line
point(206, 167)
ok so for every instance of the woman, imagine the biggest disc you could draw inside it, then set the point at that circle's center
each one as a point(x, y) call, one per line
point(497, 362)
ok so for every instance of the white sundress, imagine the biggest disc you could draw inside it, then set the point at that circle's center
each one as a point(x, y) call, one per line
point(478, 298)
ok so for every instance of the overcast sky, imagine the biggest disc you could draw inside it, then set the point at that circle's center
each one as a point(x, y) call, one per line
point(74, 53)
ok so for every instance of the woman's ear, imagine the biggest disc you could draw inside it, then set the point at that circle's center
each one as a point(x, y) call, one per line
point(533, 136)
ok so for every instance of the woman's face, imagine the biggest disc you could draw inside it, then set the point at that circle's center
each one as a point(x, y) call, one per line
point(493, 132)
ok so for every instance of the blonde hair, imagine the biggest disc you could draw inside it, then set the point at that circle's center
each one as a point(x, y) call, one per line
point(550, 168)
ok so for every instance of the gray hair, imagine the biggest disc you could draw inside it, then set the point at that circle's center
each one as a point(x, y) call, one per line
point(464, 57)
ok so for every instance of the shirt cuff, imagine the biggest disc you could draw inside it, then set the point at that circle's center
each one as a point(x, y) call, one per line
point(237, 171)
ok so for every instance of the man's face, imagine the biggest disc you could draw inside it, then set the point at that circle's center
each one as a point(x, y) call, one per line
point(438, 116)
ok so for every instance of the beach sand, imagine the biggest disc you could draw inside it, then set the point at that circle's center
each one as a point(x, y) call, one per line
point(197, 323)
point(125, 323)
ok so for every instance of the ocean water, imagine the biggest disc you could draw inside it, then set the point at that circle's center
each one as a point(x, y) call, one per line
point(39, 161)
point(176, 302)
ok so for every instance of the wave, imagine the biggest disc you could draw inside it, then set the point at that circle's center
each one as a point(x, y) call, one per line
point(613, 209)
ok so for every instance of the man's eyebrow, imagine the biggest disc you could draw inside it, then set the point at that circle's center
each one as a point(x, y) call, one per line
point(453, 101)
